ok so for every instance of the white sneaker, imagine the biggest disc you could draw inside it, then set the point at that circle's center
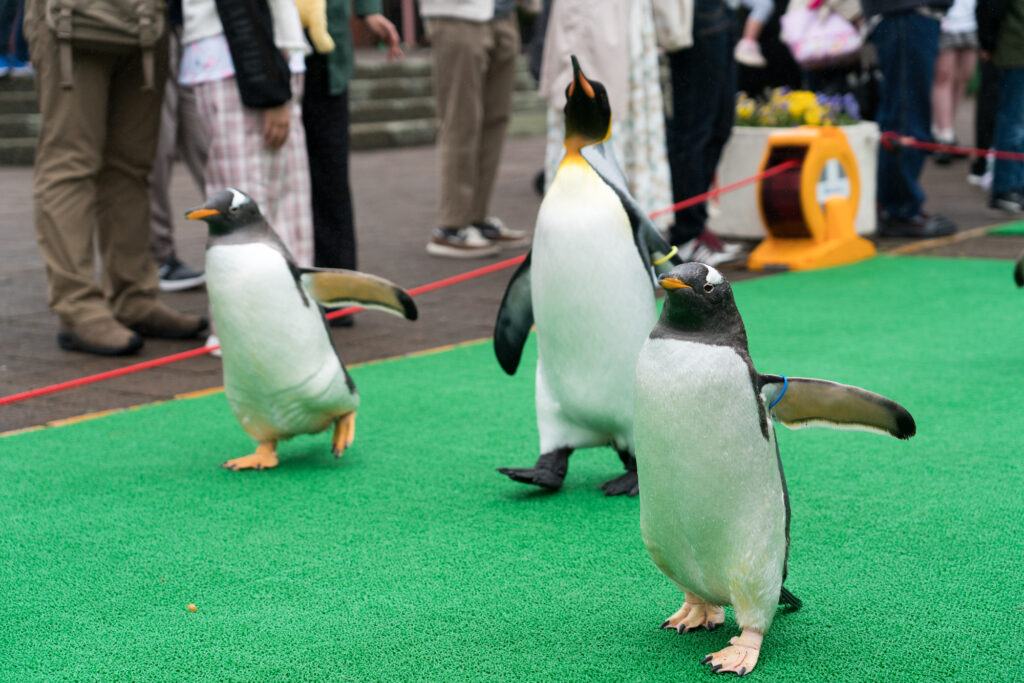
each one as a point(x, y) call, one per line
point(212, 340)
point(494, 229)
point(461, 243)
point(708, 249)
point(748, 53)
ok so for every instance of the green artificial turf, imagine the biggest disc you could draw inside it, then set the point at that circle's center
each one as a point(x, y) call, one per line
point(411, 559)
point(1014, 228)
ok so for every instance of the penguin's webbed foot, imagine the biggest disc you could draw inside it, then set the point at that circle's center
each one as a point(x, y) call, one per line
point(739, 658)
point(695, 614)
point(344, 433)
point(627, 484)
point(264, 458)
point(548, 472)
point(537, 476)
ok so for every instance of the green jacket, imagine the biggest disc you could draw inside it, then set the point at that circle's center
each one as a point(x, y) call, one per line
point(1009, 52)
point(341, 62)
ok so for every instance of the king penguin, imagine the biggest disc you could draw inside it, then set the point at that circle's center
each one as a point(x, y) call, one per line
point(588, 285)
point(714, 511)
point(282, 374)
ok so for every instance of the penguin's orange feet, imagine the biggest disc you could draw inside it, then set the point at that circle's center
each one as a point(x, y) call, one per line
point(740, 657)
point(694, 614)
point(344, 433)
point(264, 458)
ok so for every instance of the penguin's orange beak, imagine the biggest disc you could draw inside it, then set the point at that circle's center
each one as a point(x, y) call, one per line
point(199, 214)
point(578, 77)
point(670, 283)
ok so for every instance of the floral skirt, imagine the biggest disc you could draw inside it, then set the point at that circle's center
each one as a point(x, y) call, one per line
point(638, 135)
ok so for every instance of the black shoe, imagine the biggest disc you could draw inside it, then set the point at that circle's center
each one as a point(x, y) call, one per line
point(176, 276)
point(1008, 202)
point(921, 225)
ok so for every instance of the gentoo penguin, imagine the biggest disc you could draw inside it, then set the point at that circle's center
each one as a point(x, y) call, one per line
point(282, 375)
point(588, 285)
point(714, 512)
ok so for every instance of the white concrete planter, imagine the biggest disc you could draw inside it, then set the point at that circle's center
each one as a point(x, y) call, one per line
point(735, 214)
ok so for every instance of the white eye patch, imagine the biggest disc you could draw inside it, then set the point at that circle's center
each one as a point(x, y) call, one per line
point(714, 277)
point(238, 198)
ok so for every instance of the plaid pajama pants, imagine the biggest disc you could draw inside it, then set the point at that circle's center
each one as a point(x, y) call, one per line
point(278, 179)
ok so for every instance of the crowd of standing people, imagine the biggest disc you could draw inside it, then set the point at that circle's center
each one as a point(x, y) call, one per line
point(248, 98)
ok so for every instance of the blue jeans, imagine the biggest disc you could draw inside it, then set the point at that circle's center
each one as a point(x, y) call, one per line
point(703, 105)
point(1009, 136)
point(907, 45)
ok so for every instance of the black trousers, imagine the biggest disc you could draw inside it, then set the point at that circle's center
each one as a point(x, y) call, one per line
point(325, 118)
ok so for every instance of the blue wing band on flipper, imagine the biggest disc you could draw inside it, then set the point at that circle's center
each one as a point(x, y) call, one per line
point(649, 242)
point(820, 403)
point(515, 318)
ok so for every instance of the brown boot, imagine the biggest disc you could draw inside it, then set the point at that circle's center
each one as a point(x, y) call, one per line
point(167, 323)
point(103, 336)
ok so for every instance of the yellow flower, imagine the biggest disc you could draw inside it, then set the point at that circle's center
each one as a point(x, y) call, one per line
point(814, 115)
point(745, 110)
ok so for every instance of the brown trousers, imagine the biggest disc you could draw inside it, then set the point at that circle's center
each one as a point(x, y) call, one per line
point(95, 150)
point(474, 76)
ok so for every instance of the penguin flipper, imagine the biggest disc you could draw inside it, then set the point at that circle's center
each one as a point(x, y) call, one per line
point(335, 287)
point(799, 402)
point(515, 318)
point(1018, 271)
point(655, 252)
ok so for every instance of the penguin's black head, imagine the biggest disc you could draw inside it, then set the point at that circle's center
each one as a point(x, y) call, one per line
point(588, 117)
point(699, 300)
point(227, 211)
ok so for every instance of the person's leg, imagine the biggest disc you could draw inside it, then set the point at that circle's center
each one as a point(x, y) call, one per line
point(1009, 134)
point(498, 84)
point(942, 95)
point(8, 13)
point(702, 81)
point(161, 224)
point(907, 44)
point(987, 104)
point(122, 191)
point(460, 62)
point(285, 177)
point(964, 66)
point(325, 118)
point(67, 161)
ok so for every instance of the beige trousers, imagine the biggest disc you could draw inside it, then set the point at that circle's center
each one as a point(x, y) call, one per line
point(474, 76)
point(95, 150)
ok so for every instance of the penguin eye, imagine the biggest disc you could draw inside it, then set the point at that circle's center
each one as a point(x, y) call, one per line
point(708, 287)
point(233, 209)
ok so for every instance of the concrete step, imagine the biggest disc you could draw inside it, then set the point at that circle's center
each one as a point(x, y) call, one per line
point(403, 68)
point(18, 126)
point(17, 151)
point(392, 105)
point(18, 102)
point(17, 84)
point(417, 132)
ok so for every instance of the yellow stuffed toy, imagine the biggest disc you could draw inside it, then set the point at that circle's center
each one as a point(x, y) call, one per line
point(313, 14)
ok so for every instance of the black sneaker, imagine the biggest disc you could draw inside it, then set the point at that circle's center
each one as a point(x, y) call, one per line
point(921, 225)
point(176, 276)
point(1008, 202)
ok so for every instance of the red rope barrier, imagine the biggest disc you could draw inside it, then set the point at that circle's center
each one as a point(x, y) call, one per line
point(415, 291)
point(891, 140)
point(767, 173)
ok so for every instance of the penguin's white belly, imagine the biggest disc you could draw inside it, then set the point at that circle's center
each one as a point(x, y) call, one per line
point(281, 374)
point(593, 305)
point(712, 506)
